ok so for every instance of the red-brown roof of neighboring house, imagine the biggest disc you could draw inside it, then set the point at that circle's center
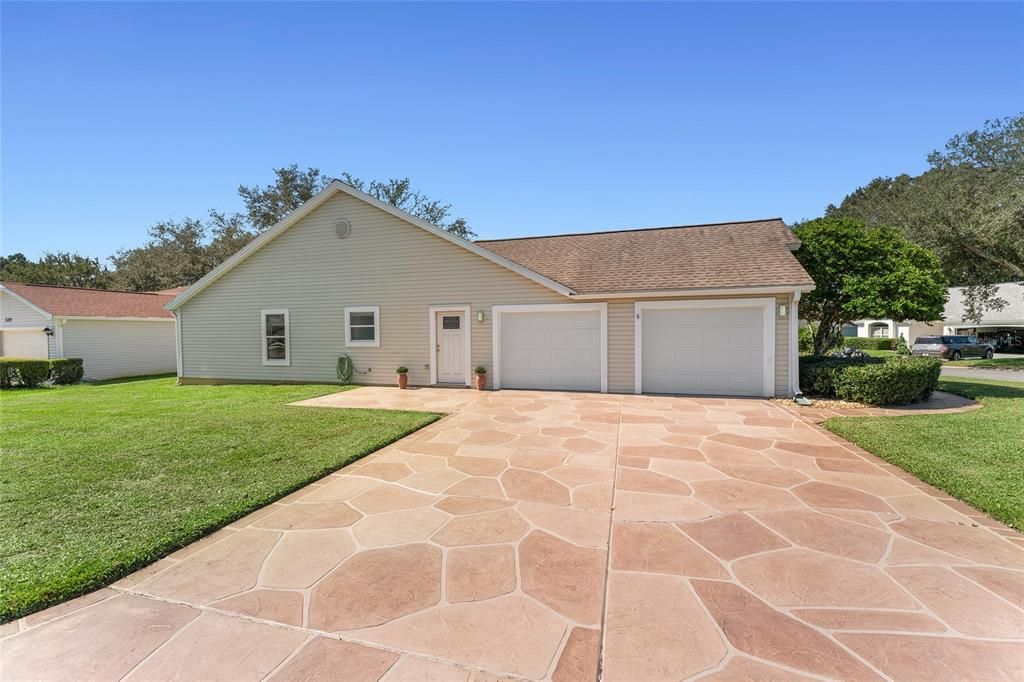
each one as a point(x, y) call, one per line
point(75, 302)
point(756, 253)
point(173, 291)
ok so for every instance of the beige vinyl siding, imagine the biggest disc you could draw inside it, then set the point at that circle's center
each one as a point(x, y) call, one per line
point(384, 262)
point(120, 348)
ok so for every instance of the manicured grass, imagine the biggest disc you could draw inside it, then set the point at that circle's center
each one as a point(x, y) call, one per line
point(880, 353)
point(995, 363)
point(974, 456)
point(99, 480)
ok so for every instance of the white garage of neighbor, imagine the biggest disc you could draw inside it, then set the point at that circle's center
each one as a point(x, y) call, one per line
point(115, 333)
point(551, 346)
point(706, 347)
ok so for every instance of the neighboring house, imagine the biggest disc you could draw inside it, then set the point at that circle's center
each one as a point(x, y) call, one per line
point(881, 329)
point(707, 309)
point(116, 333)
point(1004, 328)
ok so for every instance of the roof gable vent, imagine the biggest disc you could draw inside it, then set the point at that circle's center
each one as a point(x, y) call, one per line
point(343, 228)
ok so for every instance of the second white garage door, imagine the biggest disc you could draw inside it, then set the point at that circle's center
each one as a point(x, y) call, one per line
point(706, 347)
point(556, 347)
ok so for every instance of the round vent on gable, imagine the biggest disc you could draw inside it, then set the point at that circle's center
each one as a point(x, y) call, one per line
point(343, 228)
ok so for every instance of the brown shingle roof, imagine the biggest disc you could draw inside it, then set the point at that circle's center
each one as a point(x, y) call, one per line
point(743, 254)
point(71, 301)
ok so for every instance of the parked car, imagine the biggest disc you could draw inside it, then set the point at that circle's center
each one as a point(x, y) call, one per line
point(952, 347)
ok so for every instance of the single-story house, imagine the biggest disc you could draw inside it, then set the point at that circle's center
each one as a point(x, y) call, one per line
point(1004, 328)
point(115, 333)
point(891, 329)
point(703, 309)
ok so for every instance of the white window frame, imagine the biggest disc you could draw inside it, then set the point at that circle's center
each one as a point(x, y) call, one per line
point(349, 342)
point(767, 306)
point(287, 338)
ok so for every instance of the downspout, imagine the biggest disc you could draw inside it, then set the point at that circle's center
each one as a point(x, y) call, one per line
point(794, 345)
point(177, 343)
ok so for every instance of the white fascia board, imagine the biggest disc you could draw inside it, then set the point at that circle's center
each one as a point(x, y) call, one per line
point(320, 198)
point(27, 302)
point(108, 318)
point(728, 291)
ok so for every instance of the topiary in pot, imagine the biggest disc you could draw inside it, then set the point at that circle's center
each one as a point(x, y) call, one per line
point(480, 378)
point(403, 376)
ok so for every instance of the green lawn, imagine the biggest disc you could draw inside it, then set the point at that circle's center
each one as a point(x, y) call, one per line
point(974, 456)
point(880, 353)
point(996, 363)
point(99, 480)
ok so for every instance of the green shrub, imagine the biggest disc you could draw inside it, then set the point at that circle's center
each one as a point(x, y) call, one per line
point(864, 343)
point(817, 373)
point(66, 370)
point(806, 340)
point(896, 381)
point(27, 373)
point(901, 346)
point(873, 381)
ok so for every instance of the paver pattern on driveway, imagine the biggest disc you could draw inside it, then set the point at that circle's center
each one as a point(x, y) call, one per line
point(560, 536)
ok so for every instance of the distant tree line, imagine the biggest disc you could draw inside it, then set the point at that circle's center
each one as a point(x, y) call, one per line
point(178, 253)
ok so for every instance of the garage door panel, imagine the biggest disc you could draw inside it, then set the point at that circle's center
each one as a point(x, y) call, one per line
point(703, 350)
point(558, 349)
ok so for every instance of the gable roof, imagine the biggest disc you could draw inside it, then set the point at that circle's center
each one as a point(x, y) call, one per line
point(323, 195)
point(755, 253)
point(74, 302)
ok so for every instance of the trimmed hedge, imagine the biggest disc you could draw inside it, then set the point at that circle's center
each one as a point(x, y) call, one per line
point(864, 343)
point(30, 373)
point(66, 370)
point(873, 381)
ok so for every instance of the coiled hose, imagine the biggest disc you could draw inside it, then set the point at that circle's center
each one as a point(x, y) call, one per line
point(345, 369)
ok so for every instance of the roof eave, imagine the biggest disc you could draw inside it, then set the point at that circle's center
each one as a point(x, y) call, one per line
point(699, 291)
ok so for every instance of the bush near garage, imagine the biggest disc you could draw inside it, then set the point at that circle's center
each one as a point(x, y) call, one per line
point(67, 370)
point(864, 343)
point(873, 381)
point(29, 373)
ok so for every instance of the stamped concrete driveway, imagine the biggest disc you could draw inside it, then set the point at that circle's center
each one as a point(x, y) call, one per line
point(569, 537)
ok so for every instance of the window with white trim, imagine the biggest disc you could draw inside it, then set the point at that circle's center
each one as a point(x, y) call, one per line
point(276, 346)
point(362, 326)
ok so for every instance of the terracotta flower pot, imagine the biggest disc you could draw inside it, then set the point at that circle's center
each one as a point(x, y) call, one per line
point(403, 380)
point(480, 380)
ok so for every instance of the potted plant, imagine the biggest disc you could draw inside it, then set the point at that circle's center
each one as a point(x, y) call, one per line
point(480, 377)
point(403, 376)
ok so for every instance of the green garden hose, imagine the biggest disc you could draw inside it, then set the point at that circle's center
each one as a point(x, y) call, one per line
point(345, 369)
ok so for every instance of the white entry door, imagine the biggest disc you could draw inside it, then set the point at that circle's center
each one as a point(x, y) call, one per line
point(451, 347)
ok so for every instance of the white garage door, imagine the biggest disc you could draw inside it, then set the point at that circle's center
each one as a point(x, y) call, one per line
point(558, 349)
point(24, 343)
point(707, 348)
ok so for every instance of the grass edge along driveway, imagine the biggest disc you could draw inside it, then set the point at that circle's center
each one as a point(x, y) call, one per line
point(974, 456)
point(97, 481)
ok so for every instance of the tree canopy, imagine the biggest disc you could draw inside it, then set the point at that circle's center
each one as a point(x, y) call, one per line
point(179, 252)
point(61, 268)
point(865, 272)
point(968, 208)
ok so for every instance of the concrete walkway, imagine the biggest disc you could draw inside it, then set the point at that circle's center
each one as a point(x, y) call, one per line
point(569, 536)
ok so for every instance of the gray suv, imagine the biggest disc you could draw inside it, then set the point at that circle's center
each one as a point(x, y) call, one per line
point(952, 347)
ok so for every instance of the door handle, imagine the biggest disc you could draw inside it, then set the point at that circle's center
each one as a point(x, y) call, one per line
point(438, 349)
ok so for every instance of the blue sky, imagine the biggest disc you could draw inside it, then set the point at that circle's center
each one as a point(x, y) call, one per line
point(529, 118)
